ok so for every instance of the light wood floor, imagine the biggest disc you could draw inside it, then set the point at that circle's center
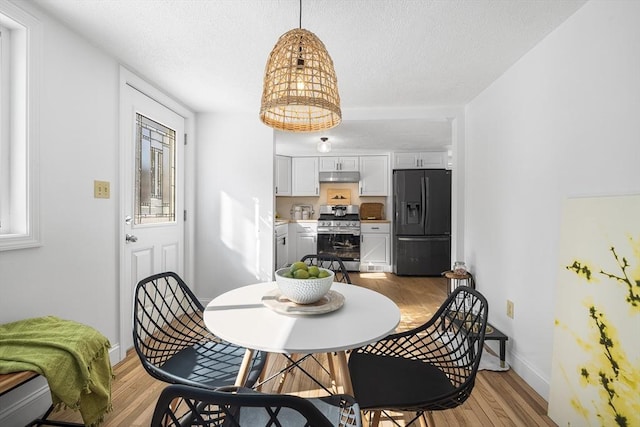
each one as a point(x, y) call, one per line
point(498, 399)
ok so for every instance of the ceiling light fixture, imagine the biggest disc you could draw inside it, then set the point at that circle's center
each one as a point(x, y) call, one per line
point(324, 146)
point(300, 92)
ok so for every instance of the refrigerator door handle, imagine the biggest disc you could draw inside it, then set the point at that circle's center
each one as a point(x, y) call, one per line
point(427, 198)
point(424, 202)
point(395, 200)
point(442, 237)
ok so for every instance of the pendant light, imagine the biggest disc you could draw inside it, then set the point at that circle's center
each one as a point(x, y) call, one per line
point(300, 92)
point(324, 146)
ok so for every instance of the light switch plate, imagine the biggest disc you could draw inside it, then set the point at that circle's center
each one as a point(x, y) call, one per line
point(101, 189)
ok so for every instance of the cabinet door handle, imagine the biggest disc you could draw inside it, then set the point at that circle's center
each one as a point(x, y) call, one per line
point(276, 189)
point(284, 241)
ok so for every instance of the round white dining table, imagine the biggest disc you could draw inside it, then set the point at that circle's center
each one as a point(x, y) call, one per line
point(241, 317)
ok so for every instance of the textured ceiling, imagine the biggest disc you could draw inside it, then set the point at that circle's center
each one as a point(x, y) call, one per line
point(388, 54)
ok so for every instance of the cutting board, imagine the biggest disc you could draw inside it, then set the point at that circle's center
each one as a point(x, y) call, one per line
point(372, 211)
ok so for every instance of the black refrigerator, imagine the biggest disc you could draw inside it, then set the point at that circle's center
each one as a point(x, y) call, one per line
point(422, 214)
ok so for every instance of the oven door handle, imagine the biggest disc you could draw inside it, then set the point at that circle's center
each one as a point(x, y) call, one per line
point(328, 233)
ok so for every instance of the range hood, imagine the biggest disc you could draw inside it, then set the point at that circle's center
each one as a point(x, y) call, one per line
point(340, 176)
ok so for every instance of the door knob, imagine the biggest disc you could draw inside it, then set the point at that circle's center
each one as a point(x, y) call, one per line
point(130, 238)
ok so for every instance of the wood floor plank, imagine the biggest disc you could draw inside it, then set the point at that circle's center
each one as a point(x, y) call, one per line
point(498, 399)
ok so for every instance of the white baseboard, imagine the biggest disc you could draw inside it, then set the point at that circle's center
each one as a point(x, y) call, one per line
point(26, 403)
point(525, 371)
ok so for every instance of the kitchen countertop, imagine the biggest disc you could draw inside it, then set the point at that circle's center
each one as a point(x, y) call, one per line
point(281, 221)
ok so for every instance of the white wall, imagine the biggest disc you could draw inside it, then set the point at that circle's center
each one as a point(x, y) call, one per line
point(234, 203)
point(73, 274)
point(562, 122)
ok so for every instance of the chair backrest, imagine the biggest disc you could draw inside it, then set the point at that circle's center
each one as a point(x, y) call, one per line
point(455, 339)
point(180, 405)
point(167, 317)
point(330, 262)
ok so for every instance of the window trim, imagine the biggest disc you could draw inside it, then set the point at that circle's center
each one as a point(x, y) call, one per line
point(23, 137)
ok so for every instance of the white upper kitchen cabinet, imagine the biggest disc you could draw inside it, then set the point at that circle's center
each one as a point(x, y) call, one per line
point(374, 175)
point(283, 176)
point(332, 164)
point(420, 160)
point(304, 176)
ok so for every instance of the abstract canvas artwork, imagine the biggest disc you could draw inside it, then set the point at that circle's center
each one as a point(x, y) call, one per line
point(595, 379)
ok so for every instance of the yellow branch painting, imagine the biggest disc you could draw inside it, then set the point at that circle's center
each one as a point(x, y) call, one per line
point(595, 377)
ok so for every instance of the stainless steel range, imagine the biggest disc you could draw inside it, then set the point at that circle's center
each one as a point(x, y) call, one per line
point(339, 233)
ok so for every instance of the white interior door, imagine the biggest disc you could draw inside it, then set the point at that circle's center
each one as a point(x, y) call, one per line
point(152, 173)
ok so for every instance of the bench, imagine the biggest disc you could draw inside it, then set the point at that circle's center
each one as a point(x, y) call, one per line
point(12, 381)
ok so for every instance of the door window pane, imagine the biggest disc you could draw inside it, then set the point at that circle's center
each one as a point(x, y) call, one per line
point(155, 172)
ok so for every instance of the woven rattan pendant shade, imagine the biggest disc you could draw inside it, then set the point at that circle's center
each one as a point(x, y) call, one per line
point(300, 92)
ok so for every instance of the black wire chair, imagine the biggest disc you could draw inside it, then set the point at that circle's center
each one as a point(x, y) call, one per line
point(330, 262)
point(429, 368)
point(181, 406)
point(172, 342)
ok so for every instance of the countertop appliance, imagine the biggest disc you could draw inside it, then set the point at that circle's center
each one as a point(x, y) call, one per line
point(339, 233)
point(422, 231)
point(299, 212)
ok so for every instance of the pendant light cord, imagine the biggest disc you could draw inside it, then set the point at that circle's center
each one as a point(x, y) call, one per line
point(300, 24)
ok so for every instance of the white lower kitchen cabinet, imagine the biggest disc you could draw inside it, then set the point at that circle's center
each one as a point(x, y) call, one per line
point(375, 247)
point(305, 241)
point(306, 244)
point(282, 246)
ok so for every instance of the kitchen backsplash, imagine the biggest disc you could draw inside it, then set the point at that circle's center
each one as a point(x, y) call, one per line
point(284, 204)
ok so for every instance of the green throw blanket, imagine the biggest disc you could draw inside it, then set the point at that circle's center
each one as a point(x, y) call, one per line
point(74, 358)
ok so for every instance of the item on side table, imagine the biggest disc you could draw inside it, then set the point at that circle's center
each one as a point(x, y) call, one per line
point(459, 268)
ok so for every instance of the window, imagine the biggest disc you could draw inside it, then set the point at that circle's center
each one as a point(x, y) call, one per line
point(19, 65)
point(155, 176)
